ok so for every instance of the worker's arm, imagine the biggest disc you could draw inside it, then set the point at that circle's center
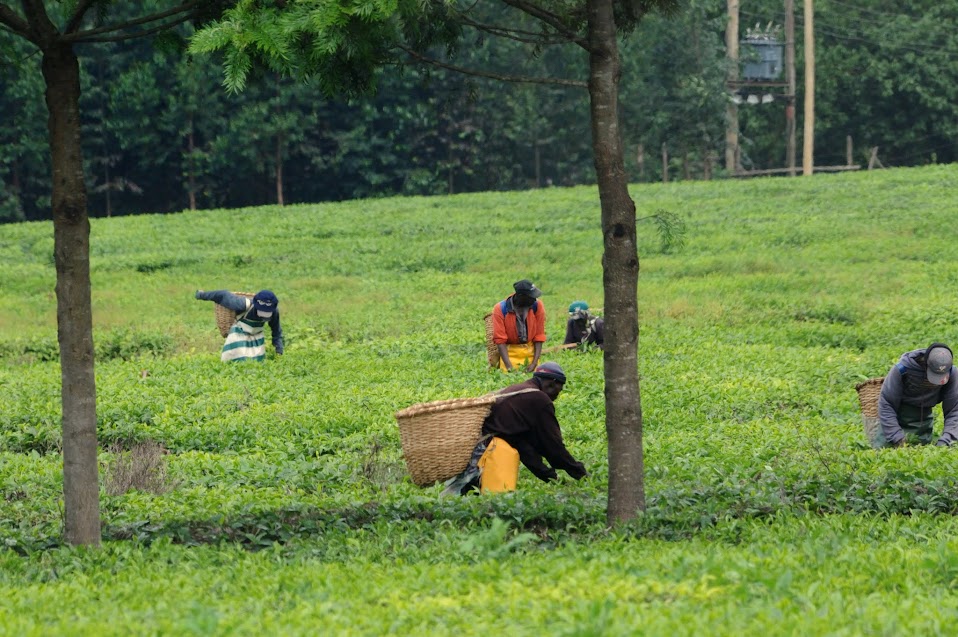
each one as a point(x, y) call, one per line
point(949, 409)
point(889, 401)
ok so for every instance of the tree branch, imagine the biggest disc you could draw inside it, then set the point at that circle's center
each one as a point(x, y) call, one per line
point(88, 36)
point(494, 76)
point(77, 16)
point(549, 18)
point(518, 35)
point(40, 30)
point(137, 34)
point(13, 21)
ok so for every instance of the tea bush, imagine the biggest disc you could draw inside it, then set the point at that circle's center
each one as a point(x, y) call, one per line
point(289, 509)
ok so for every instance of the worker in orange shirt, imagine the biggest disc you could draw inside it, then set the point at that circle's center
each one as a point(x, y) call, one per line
point(519, 327)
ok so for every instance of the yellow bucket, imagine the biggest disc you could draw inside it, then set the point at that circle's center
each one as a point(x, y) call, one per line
point(500, 467)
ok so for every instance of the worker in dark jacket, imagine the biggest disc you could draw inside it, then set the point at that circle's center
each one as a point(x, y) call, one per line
point(525, 418)
point(913, 386)
point(245, 340)
point(527, 421)
point(583, 328)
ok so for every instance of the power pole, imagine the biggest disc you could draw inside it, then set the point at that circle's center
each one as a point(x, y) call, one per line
point(790, 78)
point(808, 153)
point(731, 111)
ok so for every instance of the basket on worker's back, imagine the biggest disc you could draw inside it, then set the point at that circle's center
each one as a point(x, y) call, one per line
point(438, 437)
point(492, 351)
point(225, 317)
point(868, 392)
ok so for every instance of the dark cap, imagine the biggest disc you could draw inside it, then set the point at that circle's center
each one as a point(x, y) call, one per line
point(550, 370)
point(265, 302)
point(938, 362)
point(526, 287)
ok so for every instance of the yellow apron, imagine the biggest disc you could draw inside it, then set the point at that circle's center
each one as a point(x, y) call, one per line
point(520, 355)
point(500, 467)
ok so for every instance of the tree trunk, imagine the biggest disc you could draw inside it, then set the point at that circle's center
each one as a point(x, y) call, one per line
point(279, 170)
point(620, 273)
point(538, 157)
point(191, 179)
point(71, 232)
point(108, 186)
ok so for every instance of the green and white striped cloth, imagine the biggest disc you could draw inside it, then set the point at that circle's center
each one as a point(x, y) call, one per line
point(245, 341)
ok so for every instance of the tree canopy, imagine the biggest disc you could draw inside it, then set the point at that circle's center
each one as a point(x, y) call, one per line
point(430, 130)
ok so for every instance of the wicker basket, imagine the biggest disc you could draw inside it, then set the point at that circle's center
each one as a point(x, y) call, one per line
point(438, 437)
point(868, 392)
point(492, 351)
point(225, 317)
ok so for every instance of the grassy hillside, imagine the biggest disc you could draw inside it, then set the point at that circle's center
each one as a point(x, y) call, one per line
point(287, 508)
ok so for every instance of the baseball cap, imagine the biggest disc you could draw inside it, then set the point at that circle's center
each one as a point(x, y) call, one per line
point(575, 306)
point(938, 362)
point(526, 287)
point(265, 302)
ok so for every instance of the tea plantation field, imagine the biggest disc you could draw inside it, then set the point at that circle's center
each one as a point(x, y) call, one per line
point(285, 507)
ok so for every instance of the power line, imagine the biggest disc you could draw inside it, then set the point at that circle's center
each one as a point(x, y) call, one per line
point(914, 48)
point(860, 37)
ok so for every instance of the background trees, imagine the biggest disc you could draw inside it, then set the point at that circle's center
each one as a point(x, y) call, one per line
point(886, 77)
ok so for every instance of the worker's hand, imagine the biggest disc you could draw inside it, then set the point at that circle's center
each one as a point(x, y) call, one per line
point(901, 443)
point(531, 367)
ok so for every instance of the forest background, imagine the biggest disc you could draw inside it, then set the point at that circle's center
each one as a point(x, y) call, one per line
point(164, 136)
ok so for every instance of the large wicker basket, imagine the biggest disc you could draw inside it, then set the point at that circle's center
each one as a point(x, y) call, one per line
point(868, 392)
point(492, 351)
point(225, 317)
point(438, 437)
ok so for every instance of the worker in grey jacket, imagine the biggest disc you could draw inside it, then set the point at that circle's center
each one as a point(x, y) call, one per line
point(913, 386)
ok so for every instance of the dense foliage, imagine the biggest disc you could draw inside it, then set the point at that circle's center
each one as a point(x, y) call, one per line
point(288, 509)
point(165, 134)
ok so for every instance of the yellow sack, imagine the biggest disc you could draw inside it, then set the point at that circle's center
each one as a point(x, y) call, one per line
point(500, 467)
point(520, 355)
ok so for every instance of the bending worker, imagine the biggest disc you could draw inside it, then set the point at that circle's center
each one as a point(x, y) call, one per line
point(519, 327)
point(583, 328)
point(918, 381)
point(523, 423)
point(245, 340)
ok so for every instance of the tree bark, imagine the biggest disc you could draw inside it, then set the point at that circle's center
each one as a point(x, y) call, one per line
point(71, 232)
point(620, 272)
point(191, 179)
point(279, 170)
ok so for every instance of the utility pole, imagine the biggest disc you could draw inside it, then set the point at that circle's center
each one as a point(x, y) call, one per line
point(790, 79)
point(808, 153)
point(731, 111)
